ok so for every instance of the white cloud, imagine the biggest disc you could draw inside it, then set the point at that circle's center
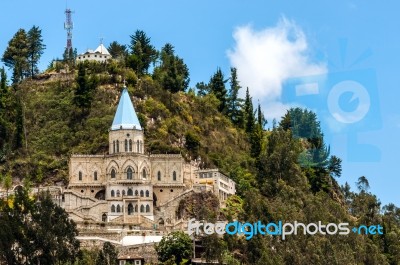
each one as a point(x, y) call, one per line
point(267, 57)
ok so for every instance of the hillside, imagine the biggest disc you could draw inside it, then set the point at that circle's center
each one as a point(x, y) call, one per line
point(284, 174)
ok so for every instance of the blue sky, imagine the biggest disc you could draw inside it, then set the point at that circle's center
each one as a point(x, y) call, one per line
point(272, 43)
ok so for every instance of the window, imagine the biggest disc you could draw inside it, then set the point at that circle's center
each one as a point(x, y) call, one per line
point(142, 208)
point(117, 146)
point(112, 193)
point(136, 193)
point(80, 175)
point(95, 55)
point(141, 147)
point(159, 176)
point(113, 208)
point(136, 208)
point(118, 208)
point(144, 173)
point(137, 145)
point(141, 193)
point(113, 173)
point(130, 192)
point(130, 208)
point(123, 192)
point(113, 147)
point(147, 208)
point(118, 193)
point(174, 176)
point(126, 145)
point(95, 175)
point(129, 173)
point(130, 145)
point(147, 193)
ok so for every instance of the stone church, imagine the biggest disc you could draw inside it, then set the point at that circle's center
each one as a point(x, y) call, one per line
point(130, 186)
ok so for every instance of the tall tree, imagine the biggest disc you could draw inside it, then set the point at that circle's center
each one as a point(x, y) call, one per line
point(142, 53)
point(35, 48)
point(217, 87)
point(362, 184)
point(248, 113)
point(172, 73)
point(85, 88)
point(117, 51)
point(16, 55)
point(234, 102)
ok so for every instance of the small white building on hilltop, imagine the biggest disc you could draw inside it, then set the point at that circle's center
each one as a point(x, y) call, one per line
point(101, 54)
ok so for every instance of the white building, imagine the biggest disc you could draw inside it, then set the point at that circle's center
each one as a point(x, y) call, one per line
point(101, 54)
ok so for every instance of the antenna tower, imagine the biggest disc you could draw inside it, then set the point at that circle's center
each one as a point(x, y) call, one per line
point(68, 26)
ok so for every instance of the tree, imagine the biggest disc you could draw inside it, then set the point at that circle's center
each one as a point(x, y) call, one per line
point(35, 48)
point(84, 91)
point(177, 245)
point(36, 232)
point(117, 51)
point(234, 102)
point(16, 55)
point(248, 113)
point(202, 89)
point(362, 184)
point(142, 53)
point(172, 73)
point(110, 254)
point(217, 87)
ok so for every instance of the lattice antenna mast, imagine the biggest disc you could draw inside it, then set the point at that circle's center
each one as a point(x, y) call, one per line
point(68, 26)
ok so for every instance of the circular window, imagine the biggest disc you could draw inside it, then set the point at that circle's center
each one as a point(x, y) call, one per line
point(82, 191)
point(92, 191)
point(127, 135)
point(161, 190)
point(172, 190)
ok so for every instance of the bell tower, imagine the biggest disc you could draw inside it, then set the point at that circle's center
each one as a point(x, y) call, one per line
point(126, 134)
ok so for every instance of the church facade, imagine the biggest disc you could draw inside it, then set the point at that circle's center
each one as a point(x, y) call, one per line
point(130, 186)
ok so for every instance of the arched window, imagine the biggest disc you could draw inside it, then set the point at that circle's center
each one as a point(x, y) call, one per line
point(126, 145)
point(144, 174)
point(130, 192)
point(123, 192)
point(118, 208)
point(159, 176)
point(129, 173)
point(113, 173)
point(113, 147)
point(136, 193)
point(112, 193)
point(147, 208)
point(147, 193)
point(95, 175)
point(113, 208)
point(174, 176)
point(142, 208)
point(141, 193)
point(137, 146)
point(130, 145)
point(80, 175)
point(136, 208)
point(117, 146)
point(104, 217)
point(130, 208)
point(118, 193)
point(141, 147)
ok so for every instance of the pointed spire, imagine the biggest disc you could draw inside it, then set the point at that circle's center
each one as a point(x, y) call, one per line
point(125, 117)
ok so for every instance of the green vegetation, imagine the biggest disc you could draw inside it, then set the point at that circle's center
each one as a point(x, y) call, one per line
point(175, 248)
point(36, 231)
point(285, 173)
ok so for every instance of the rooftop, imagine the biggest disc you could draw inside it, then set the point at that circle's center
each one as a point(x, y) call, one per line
point(125, 117)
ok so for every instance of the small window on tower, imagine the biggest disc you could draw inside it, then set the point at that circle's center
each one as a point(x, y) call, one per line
point(95, 175)
point(80, 175)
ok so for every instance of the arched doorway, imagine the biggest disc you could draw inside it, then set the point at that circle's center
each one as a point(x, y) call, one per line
point(130, 209)
point(104, 217)
point(100, 195)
